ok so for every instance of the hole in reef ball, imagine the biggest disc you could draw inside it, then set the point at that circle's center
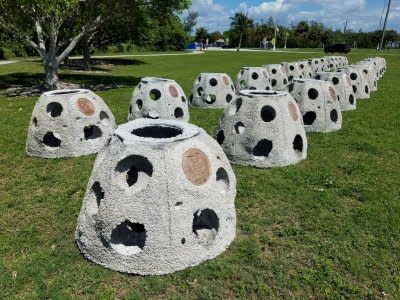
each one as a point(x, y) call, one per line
point(178, 113)
point(54, 109)
point(334, 115)
point(183, 241)
point(173, 91)
point(35, 121)
point(353, 76)
point(263, 148)
point(155, 94)
point(222, 180)
point(139, 103)
point(254, 75)
point(50, 140)
point(298, 143)
point(183, 99)
point(291, 68)
point(157, 131)
point(128, 235)
point(239, 127)
point(132, 165)
point(268, 113)
point(285, 81)
point(205, 225)
point(213, 82)
point(351, 99)
point(199, 91)
point(92, 132)
point(228, 98)
point(366, 89)
point(103, 115)
point(225, 80)
point(239, 102)
point(335, 80)
point(312, 94)
point(98, 192)
point(273, 71)
point(289, 78)
point(293, 111)
point(273, 82)
point(309, 117)
point(130, 109)
point(220, 137)
point(196, 166)
point(85, 106)
point(354, 89)
point(211, 98)
point(290, 87)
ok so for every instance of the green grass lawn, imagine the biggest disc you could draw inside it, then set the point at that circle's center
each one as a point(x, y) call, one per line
point(328, 227)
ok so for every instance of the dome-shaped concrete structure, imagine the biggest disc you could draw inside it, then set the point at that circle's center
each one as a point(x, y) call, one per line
point(278, 76)
point(158, 98)
point(359, 82)
point(212, 90)
point(318, 104)
point(292, 70)
point(253, 78)
point(342, 84)
point(263, 129)
point(67, 123)
point(160, 198)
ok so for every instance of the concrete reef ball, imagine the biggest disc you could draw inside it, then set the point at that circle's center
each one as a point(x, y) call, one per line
point(263, 129)
point(318, 104)
point(359, 82)
point(305, 68)
point(160, 198)
point(369, 72)
point(212, 90)
point(68, 123)
point(293, 70)
point(278, 76)
point(158, 98)
point(252, 78)
point(342, 84)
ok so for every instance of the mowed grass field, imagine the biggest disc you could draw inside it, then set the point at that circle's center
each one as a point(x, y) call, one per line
point(328, 227)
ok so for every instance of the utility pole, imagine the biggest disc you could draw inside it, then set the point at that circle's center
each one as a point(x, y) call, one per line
point(384, 25)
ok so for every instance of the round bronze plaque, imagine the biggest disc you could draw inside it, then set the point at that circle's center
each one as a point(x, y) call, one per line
point(196, 166)
point(85, 106)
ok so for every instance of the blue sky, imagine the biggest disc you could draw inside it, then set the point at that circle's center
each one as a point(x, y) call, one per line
point(362, 14)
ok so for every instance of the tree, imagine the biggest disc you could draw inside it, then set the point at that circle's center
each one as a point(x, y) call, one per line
point(46, 19)
point(241, 23)
point(201, 35)
point(190, 21)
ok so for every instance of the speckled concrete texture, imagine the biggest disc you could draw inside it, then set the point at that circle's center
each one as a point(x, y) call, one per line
point(305, 68)
point(342, 84)
point(292, 70)
point(252, 78)
point(263, 129)
point(278, 76)
point(212, 90)
point(158, 98)
point(359, 82)
point(67, 123)
point(160, 198)
point(318, 104)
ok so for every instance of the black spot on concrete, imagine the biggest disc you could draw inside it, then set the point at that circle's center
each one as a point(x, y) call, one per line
point(178, 113)
point(220, 137)
point(263, 148)
point(54, 109)
point(268, 113)
point(334, 115)
point(312, 94)
point(155, 94)
point(129, 234)
point(92, 132)
point(213, 82)
point(50, 140)
point(298, 143)
point(309, 117)
point(254, 75)
point(335, 80)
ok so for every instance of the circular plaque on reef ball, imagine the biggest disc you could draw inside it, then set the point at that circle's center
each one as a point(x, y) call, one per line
point(196, 166)
point(85, 106)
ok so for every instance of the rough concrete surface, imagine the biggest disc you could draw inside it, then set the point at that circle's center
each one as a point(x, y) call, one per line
point(305, 68)
point(212, 90)
point(342, 84)
point(318, 104)
point(252, 78)
point(263, 129)
point(158, 98)
point(292, 70)
point(70, 122)
point(368, 70)
point(359, 82)
point(278, 76)
point(160, 198)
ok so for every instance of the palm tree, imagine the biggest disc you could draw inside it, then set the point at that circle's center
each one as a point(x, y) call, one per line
point(241, 23)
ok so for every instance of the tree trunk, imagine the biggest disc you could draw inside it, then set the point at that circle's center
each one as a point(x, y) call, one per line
point(51, 76)
point(86, 53)
point(240, 41)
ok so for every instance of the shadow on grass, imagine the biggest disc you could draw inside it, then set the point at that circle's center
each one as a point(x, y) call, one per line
point(100, 64)
point(29, 79)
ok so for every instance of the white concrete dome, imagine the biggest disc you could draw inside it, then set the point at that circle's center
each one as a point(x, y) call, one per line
point(158, 98)
point(212, 90)
point(262, 129)
point(318, 104)
point(278, 76)
point(67, 123)
point(160, 198)
point(253, 78)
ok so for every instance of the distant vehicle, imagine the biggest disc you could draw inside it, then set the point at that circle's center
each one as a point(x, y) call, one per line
point(340, 48)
